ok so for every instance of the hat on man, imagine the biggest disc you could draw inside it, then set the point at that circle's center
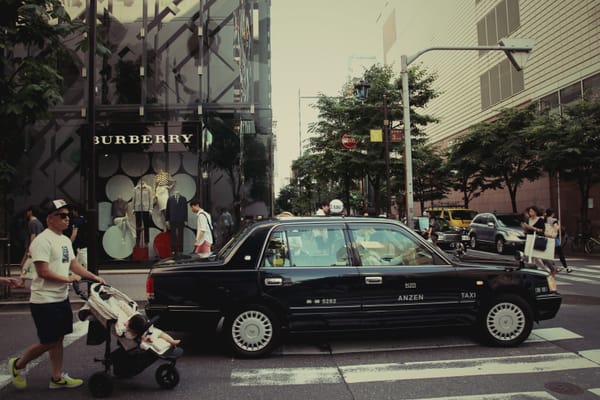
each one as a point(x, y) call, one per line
point(54, 205)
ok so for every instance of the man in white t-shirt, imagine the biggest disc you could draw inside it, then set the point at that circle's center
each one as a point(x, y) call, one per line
point(56, 267)
point(204, 230)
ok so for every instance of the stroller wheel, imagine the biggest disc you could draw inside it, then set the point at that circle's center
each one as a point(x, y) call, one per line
point(167, 376)
point(101, 384)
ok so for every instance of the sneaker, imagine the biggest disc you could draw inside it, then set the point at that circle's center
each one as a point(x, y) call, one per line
point(569, 270)
point(65, 381)
point(18, 376)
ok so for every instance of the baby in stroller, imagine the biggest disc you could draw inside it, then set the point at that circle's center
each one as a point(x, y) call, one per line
point(150, 337)
point(140, 344)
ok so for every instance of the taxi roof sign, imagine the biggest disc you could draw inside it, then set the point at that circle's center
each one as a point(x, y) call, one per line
point(336, 206)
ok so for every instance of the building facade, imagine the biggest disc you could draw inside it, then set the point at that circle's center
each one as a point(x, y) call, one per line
point(181, 109)
point(474, 85)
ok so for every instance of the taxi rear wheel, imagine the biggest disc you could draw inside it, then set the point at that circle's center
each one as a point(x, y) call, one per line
point(252, 331)
point(506, 321)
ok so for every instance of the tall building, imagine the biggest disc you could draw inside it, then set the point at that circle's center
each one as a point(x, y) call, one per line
point(475, 85)
point(181, 109)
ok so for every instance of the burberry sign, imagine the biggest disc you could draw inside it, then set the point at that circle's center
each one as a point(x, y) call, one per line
point(143, 139)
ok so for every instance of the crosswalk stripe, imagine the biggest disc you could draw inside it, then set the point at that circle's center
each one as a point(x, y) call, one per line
point(467, 367)
point(412, 370)
point(592, 355)
point(500, 396)
point(576, 279)
point(551, 334)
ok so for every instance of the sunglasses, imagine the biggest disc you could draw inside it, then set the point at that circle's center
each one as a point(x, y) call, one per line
point(62, 215)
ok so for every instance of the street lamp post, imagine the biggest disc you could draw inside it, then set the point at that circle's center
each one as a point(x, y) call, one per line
point(361, 91)
point(386, 138)
point(516, 50)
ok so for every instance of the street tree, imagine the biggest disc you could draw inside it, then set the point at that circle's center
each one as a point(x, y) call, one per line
point(464, 170)
point(571, 146)
point(33, 34)
point(430, 179)
point(506, 150)
point(345, 114)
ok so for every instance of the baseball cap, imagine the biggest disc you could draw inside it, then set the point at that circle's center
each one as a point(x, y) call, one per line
point(54, 205)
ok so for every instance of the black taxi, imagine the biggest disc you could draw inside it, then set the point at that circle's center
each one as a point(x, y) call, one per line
point(340, 274)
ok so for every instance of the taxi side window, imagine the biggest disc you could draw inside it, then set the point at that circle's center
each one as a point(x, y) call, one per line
point(276, 254)
point(378, 246)
point(306, 247)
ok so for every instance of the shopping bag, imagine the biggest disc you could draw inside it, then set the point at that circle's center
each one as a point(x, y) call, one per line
point(547, 253)
point(29, 271)
point(540, 243)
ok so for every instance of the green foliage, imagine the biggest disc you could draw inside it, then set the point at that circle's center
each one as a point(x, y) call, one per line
point(505, 150)
point(334, 167)
point(430, 181)
point(32, 37)
point(571, 145)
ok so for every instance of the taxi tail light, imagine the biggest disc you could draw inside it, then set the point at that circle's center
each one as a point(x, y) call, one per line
point(552, 283)
point(150, 287)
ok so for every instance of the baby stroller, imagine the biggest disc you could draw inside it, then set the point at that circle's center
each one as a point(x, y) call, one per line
point(108, 310)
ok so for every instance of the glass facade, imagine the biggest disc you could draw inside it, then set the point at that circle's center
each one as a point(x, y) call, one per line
point(182, 111)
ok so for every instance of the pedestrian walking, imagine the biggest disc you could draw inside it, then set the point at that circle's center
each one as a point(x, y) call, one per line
point(535, 224)
point(324, 209)
point(224, 226)
point(77, 233)
point(554, 225)
point(204, 230)
point(34, 228)
point(56, 267)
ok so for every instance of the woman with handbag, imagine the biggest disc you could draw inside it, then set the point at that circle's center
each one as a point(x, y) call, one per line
point(535, 224)
point(552, 231)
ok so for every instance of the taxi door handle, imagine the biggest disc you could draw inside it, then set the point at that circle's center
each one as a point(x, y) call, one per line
point(273, 281)
point(373, 280)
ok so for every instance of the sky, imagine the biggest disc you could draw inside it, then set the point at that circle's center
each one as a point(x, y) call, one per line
point(311, 44)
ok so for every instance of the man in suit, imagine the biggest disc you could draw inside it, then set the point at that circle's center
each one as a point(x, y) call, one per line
point(175, 216)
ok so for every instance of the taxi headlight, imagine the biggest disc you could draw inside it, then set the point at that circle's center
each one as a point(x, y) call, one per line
point(551, 283)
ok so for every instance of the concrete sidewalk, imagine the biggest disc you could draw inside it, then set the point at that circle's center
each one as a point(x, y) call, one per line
point(132, 282)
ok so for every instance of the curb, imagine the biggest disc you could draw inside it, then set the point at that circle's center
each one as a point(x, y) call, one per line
point(20, 297)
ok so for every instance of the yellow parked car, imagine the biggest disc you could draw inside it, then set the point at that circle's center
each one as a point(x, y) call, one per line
point(457, 217)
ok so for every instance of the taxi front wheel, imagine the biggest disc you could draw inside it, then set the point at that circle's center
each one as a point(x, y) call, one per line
point(506, 321)
point(252, 331)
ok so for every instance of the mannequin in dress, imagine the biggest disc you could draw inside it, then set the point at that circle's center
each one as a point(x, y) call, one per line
point(163, 182)
point(121, 217)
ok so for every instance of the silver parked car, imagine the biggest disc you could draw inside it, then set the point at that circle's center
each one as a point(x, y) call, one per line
point(500, 230)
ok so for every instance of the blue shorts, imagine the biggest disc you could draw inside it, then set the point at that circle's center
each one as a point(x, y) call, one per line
point(52, 320)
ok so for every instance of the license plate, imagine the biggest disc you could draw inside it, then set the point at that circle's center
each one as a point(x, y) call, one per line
point(464, 237)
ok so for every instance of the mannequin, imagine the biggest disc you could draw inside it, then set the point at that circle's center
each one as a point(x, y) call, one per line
point(162, 184)
point(176, 216)
point(121, 217)
point(142, 206)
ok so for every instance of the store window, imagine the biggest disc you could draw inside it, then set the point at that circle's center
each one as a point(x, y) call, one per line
point(591, 86)
point(147, 175)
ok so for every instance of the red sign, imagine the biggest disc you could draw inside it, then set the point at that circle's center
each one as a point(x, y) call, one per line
point(397, 135)
point(348, 141)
